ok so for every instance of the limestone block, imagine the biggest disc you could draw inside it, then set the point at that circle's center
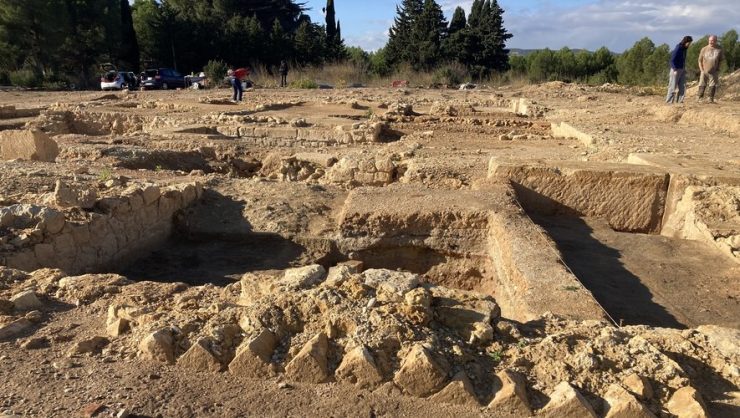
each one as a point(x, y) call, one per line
point(390, 286)
point(687, 403)
point(420, 375)
point(358, 367)
point(511, 397)
point(81, 234)
point(565, 130)
point(618, 403)
point(150, 193)
point(723, 339)
point(23, 260)
point(458, 392)
point(303, 277)
point(15, 328)
point(27, 145)
point(51, 221)
point(629, 197)
point(67, 196)
point(45, 254)
point(337, 275)
point(199, 358)
point(253, 356)
point(159, 346)
point(310, 365)
point(465, 312)
point(26, 301)
point(566, 402)
point(90, 345)
point(638, 385)
point(115, 324)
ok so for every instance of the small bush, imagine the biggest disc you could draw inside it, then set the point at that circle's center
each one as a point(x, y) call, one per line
point(215, 71)
point(25, 78)
point(304, 83)
point(451, 74)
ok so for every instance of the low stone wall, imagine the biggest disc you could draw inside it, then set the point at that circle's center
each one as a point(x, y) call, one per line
point(128, 226)
point(11, 112)
point(631, 198)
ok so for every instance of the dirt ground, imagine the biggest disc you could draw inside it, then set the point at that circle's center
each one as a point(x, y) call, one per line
point(189, 229)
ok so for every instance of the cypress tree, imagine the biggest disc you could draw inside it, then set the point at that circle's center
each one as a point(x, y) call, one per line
point(331, 23)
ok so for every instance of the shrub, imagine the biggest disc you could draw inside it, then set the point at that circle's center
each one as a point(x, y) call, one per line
point(304, 83)
point(451, 74)
point(4, 79)
point(25, 78)
point(215, 72)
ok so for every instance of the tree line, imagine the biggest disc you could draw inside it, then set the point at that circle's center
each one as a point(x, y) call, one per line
point(643, 64)
point(53, 42)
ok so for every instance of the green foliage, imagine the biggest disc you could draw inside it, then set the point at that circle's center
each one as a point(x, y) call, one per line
point(450, 74)
point(565, 65)
point(215, 70)
point(105, 175)
point(25, 78)
point(380, 65)
point(304, 83)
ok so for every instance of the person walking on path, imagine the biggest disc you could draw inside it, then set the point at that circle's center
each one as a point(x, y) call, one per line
point(710, 58)
point(677, 76)
point(283, 70)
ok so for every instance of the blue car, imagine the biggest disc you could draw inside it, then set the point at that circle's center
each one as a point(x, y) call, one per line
point(162, 78)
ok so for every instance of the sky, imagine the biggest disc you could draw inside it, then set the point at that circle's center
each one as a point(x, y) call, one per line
point(589, 24)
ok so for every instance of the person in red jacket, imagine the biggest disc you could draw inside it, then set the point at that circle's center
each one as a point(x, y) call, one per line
point(236, 77)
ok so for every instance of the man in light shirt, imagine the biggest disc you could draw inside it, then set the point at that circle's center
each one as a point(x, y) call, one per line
point(710, 58)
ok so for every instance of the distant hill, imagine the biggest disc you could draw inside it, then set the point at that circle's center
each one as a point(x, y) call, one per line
point(525, 52)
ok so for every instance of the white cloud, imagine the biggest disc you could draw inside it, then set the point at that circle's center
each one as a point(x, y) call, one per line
point(618, 24)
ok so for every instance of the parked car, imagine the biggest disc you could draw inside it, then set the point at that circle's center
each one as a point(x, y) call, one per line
point(114, 79)
point(162, 78)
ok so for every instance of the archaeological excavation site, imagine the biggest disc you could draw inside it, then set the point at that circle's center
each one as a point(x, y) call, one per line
point(554, 250)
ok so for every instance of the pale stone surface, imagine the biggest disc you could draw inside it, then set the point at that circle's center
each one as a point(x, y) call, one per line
point(420, 375)
point(304, 277)
point(687, 403)
point(66, 195)
point(723, 338)
point(511, 396)
point(27, 145)
point(567, 402)
point(618, 403)
point(358, 367)
point(159, 346)
point(630, 197)
point(199, 358)
point(459, 391)
point(26, 301)
point(253, 356)
point(638, 385)
point(310, 364)
point(390, 286)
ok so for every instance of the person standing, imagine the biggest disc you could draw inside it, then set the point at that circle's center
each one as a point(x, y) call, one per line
point(236, 84)
point(677, 76)
point(283, 70)
point(710, 58)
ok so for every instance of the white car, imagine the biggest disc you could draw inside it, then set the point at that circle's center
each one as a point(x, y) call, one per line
point(112, 79)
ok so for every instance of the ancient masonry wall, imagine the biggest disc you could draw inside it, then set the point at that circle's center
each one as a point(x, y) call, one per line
point(137, 221)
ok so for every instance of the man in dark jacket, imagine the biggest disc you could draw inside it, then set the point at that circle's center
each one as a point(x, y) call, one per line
point(283, 70)
point(677, 76)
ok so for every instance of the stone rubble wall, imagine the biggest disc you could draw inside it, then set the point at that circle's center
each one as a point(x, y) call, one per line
point(629, 197)
point(27, 145)
point(137, 221)
point(11, 112)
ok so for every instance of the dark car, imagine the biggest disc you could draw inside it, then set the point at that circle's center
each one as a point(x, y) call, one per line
point(162, 78)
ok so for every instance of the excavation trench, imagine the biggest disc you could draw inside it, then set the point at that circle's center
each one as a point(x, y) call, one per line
point(608, 226)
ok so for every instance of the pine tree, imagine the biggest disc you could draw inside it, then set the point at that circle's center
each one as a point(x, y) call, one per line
point(399, 47)
point(429, 31)
point(487, 39)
